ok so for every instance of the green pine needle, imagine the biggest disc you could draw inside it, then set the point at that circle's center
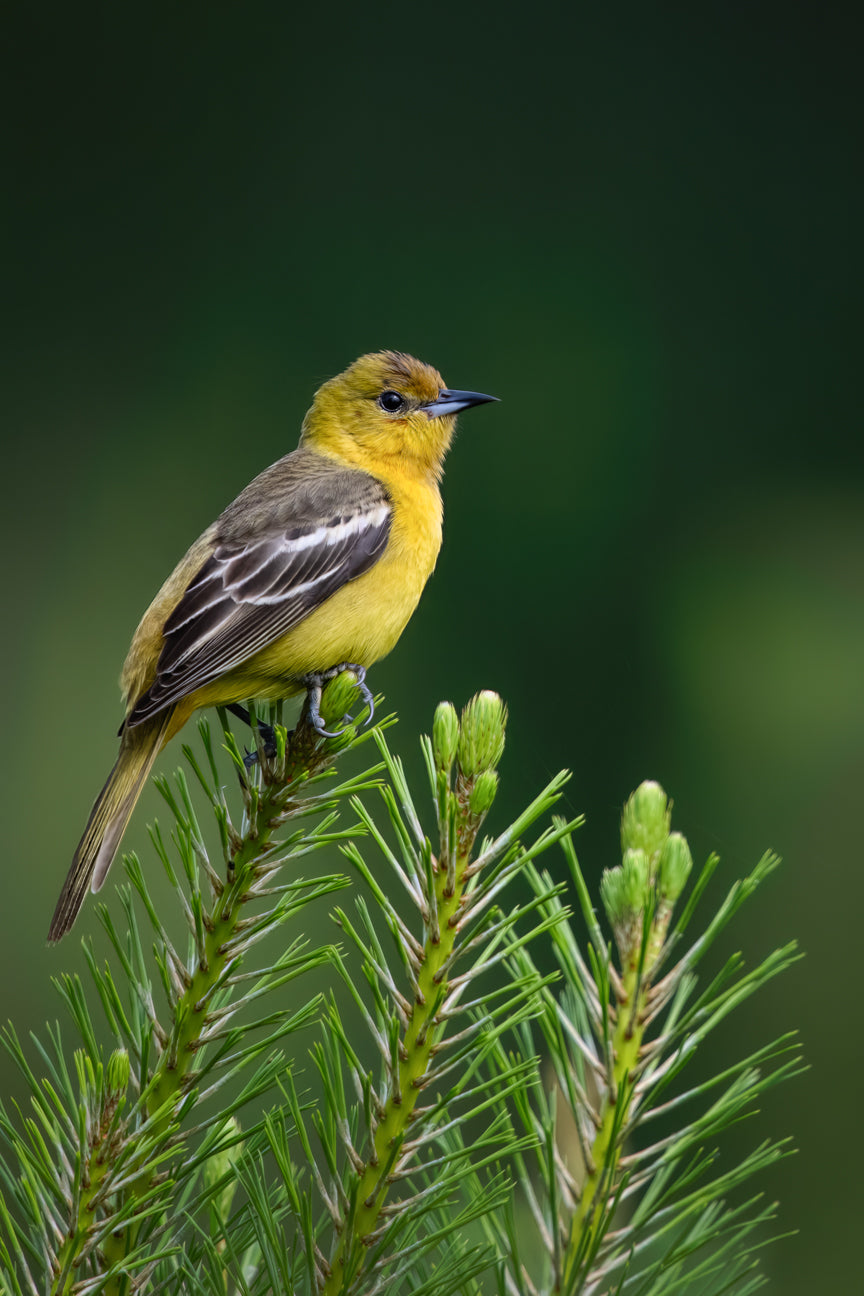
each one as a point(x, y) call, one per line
point(494, 1097)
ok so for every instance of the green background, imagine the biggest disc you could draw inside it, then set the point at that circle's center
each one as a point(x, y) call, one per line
point(639, 227)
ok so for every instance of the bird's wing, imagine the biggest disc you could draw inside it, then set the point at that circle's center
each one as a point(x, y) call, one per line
point(251, 592)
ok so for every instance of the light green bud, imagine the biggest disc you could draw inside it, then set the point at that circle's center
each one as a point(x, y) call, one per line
point(118, 1071)
point(612, 894)
point(483, 792)
point(481, 734)
point(445, 736)
point(338, 699)
point(645, 819)
point(624, 890)
point(675, 865)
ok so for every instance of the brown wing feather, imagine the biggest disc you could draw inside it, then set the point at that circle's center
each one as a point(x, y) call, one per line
point(255, 588)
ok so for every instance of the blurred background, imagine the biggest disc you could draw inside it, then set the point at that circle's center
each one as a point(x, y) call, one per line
point(639, 226)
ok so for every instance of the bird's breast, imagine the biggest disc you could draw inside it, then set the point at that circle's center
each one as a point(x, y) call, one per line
point(362, 621)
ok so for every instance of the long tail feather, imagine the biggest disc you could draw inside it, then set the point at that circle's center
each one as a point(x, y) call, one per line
point(108, 819)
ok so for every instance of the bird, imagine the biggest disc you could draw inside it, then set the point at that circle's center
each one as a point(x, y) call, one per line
point(316, 567)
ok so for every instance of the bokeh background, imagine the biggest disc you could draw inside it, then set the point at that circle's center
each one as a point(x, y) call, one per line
point(637, 225)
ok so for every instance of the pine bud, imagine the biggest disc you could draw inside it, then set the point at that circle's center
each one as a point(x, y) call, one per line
point(481, 734)
point(118, 1071)
point(483, 792)
point(675, 865)
point(445, 736)
point(645, 819)
point(338, 699)
point(624, 892)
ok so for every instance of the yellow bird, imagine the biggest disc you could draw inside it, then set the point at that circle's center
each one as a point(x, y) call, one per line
point(315, 568)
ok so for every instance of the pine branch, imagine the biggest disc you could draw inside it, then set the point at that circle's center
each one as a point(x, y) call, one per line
point(132, 1173)
point(618, 1038)
point(413, 1010)
point(124, 1129)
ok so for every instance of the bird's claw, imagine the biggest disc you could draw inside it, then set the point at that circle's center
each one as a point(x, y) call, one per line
point(314, 688)
point(313, 702)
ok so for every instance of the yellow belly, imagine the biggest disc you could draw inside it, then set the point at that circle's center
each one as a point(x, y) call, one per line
point(359, 624)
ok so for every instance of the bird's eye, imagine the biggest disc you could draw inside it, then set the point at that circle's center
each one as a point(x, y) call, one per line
point(391, 401)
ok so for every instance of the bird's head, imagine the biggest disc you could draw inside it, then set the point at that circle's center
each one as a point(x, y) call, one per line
point(385, 406)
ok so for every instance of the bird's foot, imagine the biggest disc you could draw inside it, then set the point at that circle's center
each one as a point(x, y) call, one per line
point(268, 735)
point(314, 687)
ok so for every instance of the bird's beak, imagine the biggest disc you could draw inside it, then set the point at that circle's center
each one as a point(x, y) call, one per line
point(451, 402)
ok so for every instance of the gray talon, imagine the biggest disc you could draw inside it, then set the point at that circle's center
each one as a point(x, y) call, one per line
point(368, 699)
point(314, 684)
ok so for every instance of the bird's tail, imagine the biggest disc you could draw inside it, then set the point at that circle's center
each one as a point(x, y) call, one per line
point(108, 819)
